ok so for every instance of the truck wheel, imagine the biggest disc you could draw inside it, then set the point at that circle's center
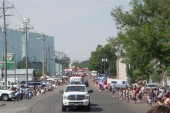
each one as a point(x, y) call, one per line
point(5, 97)
point(87, 108)
point(64, 108)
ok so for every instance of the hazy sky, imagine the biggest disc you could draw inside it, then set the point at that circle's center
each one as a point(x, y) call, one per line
point(78, 26)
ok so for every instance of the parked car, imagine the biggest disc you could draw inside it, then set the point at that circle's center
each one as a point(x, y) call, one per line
point(9, 84)
point(6, 94)
point(102, 75)
point(23, 83)
point(45, 83)
point(34, 84)
point(152, 85)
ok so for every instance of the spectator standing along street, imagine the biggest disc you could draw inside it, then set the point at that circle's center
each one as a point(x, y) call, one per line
point(113, 89)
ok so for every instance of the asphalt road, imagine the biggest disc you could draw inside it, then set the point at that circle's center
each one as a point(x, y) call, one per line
point(101, 102)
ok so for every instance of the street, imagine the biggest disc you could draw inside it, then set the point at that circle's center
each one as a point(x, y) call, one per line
point(101, 102)
point(79, 56)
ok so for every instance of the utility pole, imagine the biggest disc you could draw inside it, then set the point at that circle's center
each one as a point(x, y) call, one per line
point(55, 62)
point(15, 68)
point(46, 64)
point(42, 50)
point(59, 63)
point(5, 41)
point(25, 29)
point(49, 60)
point(43, 57)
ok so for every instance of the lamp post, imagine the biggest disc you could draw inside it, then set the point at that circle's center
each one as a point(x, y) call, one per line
point(117, 65)
point(104, 60)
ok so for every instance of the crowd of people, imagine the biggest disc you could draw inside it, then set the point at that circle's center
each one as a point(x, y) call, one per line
point(153, 97)
point(140, 94)
point(29, 92)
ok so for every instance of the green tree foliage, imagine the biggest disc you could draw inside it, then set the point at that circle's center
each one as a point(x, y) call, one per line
point(144, 34)
point(38, 73)
point(83, 64)
point(95, 61)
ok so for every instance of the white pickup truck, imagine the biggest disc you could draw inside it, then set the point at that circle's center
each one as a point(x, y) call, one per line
point(6, 94)
point(76, 95)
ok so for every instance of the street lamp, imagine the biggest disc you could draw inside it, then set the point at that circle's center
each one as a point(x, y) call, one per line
point(42, 56)
point(104, 60)
point(117, 65)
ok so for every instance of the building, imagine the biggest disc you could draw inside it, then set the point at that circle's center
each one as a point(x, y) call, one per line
point(122, 70)
point(16, 45)
point(19, 75)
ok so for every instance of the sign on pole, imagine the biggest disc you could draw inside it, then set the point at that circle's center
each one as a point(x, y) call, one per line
point(10, 60)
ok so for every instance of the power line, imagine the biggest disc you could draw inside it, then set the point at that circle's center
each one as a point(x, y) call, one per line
point(15, 10)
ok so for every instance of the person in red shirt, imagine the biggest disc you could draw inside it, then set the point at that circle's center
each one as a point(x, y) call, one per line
point(137, 93)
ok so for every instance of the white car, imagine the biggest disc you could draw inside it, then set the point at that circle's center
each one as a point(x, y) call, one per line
point(152, 85)
point(6, 94)
point(76, 95)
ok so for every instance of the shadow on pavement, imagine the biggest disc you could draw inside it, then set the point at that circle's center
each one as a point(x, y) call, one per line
point(94, 108)
point(93, 104)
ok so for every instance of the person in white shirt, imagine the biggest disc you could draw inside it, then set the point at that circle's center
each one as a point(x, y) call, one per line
point(113, 86)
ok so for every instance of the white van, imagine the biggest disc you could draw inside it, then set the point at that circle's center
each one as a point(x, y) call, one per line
point(119, 83)
point(75, 79)
point(94, 73)
point(9, 84)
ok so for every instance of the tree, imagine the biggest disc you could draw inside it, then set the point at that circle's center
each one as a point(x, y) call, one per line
point(95, 61)
point(82, 64)
point(144, 34)
point(37, 74)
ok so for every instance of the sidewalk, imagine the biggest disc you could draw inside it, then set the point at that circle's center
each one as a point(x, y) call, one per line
point(4, 103)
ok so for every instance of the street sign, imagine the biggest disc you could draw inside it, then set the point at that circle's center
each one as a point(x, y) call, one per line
point(10, 66)
point(10, 61)
point(10, 57)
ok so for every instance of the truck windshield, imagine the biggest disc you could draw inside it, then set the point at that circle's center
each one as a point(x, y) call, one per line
point(75, 82)
point(1, 88)
point(75, 88)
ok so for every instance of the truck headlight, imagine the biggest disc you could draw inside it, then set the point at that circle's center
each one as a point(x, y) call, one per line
point(86, 96)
